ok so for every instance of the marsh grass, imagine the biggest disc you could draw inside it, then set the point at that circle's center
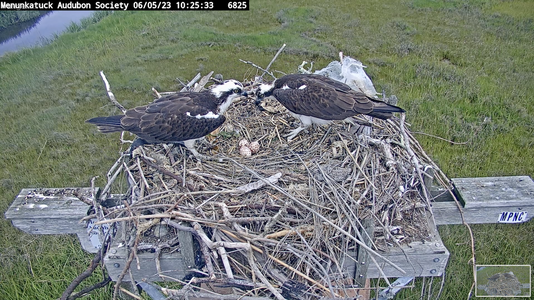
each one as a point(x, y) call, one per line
point(462, 70)
point(12, 17)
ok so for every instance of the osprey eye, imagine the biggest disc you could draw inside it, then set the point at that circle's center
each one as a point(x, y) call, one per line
point(237, 91)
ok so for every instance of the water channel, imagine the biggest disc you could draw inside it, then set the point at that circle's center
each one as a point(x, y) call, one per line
point(33, 33)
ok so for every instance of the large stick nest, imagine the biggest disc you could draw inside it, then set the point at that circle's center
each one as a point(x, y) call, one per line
point(287, 220)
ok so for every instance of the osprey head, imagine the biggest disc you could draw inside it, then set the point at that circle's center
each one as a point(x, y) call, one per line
point(264, 91)
point(227, 92)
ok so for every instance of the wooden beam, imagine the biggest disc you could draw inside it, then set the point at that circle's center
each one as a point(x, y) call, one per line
point(172, 265)
point(51, 211)
point(484, 199)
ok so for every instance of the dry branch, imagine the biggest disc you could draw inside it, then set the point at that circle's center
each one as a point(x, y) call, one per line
point(274, 58)
point(92, 266)
point(110, 93)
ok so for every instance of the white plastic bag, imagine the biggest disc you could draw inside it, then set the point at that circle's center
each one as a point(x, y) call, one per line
point(350, 72)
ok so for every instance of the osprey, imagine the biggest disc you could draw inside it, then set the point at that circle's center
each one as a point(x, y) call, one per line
point(317, 99)
point(179, 118)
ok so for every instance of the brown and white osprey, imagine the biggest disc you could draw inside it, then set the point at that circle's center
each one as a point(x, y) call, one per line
point(179, 118)
point(317, 99)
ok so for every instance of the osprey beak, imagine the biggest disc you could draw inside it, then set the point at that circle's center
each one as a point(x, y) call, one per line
point(245, 94)
point(258, 102)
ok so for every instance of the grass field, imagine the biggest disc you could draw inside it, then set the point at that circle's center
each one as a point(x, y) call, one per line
point(461, 69)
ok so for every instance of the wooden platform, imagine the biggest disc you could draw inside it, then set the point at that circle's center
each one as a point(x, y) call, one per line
point(487, 200)
point(418, 259)
point(51, 211)
point(484, 200)
point(171, 265)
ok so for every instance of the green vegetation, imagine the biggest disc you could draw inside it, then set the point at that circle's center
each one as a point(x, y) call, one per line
point(11, 17)
point(85, 22)
point(461, 69)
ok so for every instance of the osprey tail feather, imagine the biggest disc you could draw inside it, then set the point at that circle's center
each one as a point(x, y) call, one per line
point(384, 111)
point(107, 124)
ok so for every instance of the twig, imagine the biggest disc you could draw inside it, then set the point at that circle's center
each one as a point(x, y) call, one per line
point(262, 277)
point(202, 82)
point(214, 245)
point(85, 199)
point(110, 93)
point(287, 232)
point(259, 184)
point(224, 257)
point(208, 295)
point(156, 93)
point(104, 195)
point(211, 176)
point(160, 169)
point(87, 290)
point(369, 181)
point(360, 236)
point(310, 254)
point(191, 83)
point(133, 252)
point(274, 58)
point(414, 159)
point(258, 67)
point(207, 258)
point(341, 230)
point(111, 170)
point(143, 178)
point(283, 264)
point(276, 217)
point(133, 185)
point(130, 293)
point(440, 138)
point(92, 266)
point(386, 148)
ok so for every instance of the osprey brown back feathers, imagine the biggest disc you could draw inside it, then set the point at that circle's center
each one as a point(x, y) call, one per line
point(325, 98)
point(175, 118)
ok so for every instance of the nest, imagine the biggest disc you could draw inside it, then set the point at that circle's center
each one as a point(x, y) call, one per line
point(503, 284)
point(286, 221)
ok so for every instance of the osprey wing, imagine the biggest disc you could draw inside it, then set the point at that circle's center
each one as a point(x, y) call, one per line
point(321, 97)
point(173, 118)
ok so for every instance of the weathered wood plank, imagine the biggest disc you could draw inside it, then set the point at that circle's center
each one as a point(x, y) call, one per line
point(360, 274)
point(447, 213)
point(484, 199)
point(426, 258)
point(486, 192)
point(46, 203)
point(51, 211)
point(173, 265)
point(48, 211)
point(187, 249)
point(418, 260)
point(48, 226)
